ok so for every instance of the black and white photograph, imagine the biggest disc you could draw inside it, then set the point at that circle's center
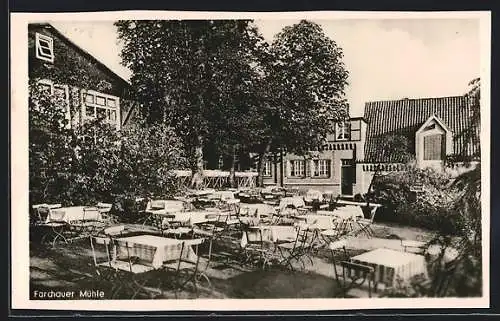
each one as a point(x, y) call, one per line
point(203, 161)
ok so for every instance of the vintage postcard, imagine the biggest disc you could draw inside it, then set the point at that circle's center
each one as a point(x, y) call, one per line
point(167, 161)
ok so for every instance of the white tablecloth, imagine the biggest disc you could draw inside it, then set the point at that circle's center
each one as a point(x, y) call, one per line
point(295, 201)
point(194, 217)
point(322, 222)
point(164, 207)
point(256, 209)
point(166, 249)
point(270, 233)
point(391, 265)
point(73, 213)
point(345, 213)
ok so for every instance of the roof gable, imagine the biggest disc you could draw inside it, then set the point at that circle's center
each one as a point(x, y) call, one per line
point(430, 121)
point(404, 117)
point(80, 51)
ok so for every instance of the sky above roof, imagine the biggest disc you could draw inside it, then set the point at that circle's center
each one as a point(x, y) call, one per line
point(386, 58)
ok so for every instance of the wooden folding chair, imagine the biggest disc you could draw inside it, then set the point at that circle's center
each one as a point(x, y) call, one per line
point(56, 229)
point(104, 272)
point(411, 246)
point(336, 248)
point(204, 251)
point(297, 249)
point(105, 210)
point(133, 263)
point(89, 224)
point(365, 224)
point(186, 267)
point(354, 275)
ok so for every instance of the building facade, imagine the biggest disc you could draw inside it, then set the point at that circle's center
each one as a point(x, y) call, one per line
point(353, 152)
point(89, 88)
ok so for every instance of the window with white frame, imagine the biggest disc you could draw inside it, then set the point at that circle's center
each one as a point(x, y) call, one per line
point(267, 168)
point(99, 105)
point(321, 168)
point(44, 46)
point(342, 131)
point(297, 168)
point(59, 92)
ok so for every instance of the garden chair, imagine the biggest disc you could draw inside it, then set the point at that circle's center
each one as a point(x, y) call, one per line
point(253, 250)
point(412, 246)
point(133, 266)
point(39, 214)
point(302, 246)
point(186, 267)
point(104, 272)
point(338, 248)
point(105, 210)
point(365, 224)
point(205, 254)
point(88, 225)
point(56, 229)
point(354, 275)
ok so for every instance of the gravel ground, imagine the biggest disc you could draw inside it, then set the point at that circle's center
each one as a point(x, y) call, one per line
point(69, 267)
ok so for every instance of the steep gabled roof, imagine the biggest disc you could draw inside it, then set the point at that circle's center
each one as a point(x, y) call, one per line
point(83, 52)
point(405, 116)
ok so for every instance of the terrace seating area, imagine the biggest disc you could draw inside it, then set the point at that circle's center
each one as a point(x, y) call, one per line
point(190, 243)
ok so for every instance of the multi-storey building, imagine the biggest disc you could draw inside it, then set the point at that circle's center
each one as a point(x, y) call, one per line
point(353, 151)
point(98, 90)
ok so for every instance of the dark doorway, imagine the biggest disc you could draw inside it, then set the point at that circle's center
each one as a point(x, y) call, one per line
point(347, 176)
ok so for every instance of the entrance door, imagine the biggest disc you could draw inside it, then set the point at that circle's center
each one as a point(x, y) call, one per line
point(347, 176)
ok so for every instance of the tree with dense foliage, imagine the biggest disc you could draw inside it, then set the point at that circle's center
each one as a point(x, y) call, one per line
point(195, 76)
point(305, 82)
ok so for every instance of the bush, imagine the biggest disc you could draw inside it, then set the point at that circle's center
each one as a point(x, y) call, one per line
point(432, 208)
point(92, 162)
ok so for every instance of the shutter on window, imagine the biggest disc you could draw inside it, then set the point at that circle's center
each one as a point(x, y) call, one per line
point(288, 168)
point(308, 168)
point(433, 147)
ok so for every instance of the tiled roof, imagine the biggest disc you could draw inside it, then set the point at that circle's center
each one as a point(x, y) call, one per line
point(404, 117)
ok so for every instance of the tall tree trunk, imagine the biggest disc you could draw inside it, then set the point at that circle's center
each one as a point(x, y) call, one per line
point(375, 174)
point(197, 164)
point(232, 172)
point(260, 164)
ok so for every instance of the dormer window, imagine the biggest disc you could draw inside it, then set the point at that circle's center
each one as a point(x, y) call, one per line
point(342, 131)
point(433, 141)
point(44, 46)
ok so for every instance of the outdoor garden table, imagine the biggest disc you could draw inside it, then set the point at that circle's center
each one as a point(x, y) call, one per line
point(391, 266)
point(70, 223)
point(194, 217)
point(257, 209)
point(321, 222)
point(72, 214)
point(351, 212)
point(270, 233)
point(166, 248)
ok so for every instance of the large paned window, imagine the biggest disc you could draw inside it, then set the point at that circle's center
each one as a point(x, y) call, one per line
point(321, 168)
point(297, 168)
point(99, 105)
